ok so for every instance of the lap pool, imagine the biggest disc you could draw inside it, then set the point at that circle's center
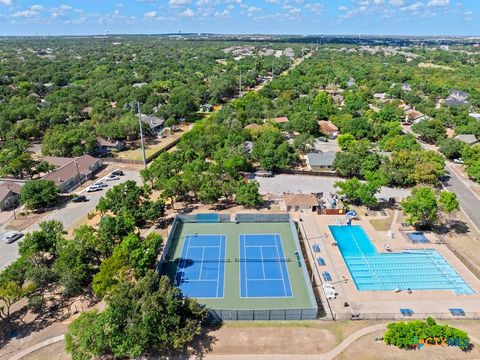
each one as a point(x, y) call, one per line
point(409, 269)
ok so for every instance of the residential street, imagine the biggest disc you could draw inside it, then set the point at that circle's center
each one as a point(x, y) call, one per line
point(69, 215)
point(469, 202)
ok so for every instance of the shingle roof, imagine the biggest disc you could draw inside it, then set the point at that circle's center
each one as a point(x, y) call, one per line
point(327, 126)
point(467, 138)
point(300, 199)
point(82, 165)
point(321, 159)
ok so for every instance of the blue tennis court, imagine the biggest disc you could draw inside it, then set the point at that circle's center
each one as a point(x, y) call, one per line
point(201, 268)
point(263, 268)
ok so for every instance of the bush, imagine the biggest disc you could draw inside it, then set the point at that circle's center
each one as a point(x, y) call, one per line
point(407, 335)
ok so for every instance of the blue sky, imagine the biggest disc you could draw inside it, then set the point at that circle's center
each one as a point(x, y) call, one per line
point(390, 17)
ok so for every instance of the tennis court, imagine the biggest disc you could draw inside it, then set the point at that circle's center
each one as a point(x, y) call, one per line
point(263, 270)
point(201, 267)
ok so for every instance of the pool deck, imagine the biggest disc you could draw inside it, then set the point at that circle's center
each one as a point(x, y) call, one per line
point(384, 303)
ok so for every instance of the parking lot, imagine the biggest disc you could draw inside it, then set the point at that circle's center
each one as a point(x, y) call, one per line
point(307, 184)
point(71, 213)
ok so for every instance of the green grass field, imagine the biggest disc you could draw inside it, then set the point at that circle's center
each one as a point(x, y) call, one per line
point(301, 288)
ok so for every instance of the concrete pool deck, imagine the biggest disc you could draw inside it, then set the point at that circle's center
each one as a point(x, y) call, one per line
point(385, 304)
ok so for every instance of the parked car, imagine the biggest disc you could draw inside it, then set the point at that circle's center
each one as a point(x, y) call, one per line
point(100, 184)
point(117, 173)
point(94, 188)
point(11, 236)
point(458, 161)
point(79, 198)
point(112, 178)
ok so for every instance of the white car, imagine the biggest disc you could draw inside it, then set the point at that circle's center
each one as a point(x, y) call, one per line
point(458, 161)
point(11, 236)
point(94, 188)
point(100, 184)
point(112, 178)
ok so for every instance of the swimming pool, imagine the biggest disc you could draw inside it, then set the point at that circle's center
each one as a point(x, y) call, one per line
point(409, 269)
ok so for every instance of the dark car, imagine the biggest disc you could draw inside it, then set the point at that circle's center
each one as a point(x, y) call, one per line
point(80, 198)
point(118, 173)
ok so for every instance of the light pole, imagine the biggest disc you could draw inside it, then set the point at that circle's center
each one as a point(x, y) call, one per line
point(141, 134)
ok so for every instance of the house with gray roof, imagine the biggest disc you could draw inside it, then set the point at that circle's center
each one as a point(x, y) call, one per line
point(469, 139)
point(320, 161)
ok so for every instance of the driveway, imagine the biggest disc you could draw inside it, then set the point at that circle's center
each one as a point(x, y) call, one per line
point(69, 215)
point(307, 184)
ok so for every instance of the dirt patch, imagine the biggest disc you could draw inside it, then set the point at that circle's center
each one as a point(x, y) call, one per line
point(367, 348)
point(382, 224)
point(272, 340)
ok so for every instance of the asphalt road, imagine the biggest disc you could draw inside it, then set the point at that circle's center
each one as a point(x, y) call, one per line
point(469, 202)
point(307, 184)
point(69, 215)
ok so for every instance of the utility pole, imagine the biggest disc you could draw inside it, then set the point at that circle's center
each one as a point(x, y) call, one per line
point(141, 134)
point(273, 62)
point(240, 87)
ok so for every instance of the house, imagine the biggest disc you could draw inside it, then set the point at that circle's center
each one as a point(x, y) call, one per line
point(414, 116)
point(9, 195)
point(457, 98)
point(69, 173)
point(248, 147)
point(476, 116)
point(105, 146)
point(404, 107)
point(380, 96)
point(252, 126)
point(338, 100)
point(206, 108)
point(279, 120)
point(469, 139)
point(299, 202)
point(328, 128)
point(320, 161)
point(155, 123)
point(406, 87)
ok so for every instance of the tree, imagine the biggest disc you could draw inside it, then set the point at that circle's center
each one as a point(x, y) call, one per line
point(68, 140)
point(46, 240)
point(406, 335)
point(451, 148)
point(246, 194)
point(10, 293)
point(323, 105)
point(345, 141)
point(141, 318)
point(430, 131)
point(424, 206)
point(36, 194)
point(359, 192)
point(272, 151)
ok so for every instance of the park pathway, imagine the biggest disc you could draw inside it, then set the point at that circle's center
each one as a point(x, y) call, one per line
point(330, 355)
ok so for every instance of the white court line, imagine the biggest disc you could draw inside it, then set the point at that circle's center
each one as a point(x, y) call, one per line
point(281, 267)
point(263, 263)
point(201, 265)
point(260, 246)
point(206, 246)
point(245, 267)
point(183, 259)
point(201, 280)
point(218, 265)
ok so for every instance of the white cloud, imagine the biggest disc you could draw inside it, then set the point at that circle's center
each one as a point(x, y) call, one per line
point(188, 13)
point(6, 2)
point(178, 3)
point(315, 8)
point(397, 2)
point(150, 14)
point(438, 3)
point(36, 7)
point(414, 7)
point(25, 13)
point(64, 7)
point(342, 8)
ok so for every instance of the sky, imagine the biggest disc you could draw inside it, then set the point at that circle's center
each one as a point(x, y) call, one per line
point(309, 17)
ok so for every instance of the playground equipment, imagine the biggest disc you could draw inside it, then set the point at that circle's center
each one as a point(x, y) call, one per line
point(349, 216)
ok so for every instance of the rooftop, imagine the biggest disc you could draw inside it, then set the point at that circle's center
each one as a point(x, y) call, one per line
point(304, 200)
point(321, 158)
